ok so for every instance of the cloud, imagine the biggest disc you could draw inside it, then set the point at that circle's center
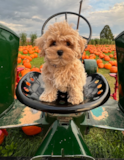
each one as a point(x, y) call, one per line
point(28, 16)
point(12, 26)
point(112, 17)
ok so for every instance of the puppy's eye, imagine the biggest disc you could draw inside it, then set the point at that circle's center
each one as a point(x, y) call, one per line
point(53, 43)
point(68, 43)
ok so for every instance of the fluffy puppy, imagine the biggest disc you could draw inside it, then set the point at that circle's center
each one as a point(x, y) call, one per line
point(61, 46)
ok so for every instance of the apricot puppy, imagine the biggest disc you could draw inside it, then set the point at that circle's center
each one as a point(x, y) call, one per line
point(61, 46)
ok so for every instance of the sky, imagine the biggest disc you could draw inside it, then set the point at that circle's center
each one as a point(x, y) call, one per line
point(29, 15)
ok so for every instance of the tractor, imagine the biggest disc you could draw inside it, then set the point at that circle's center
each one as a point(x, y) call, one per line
point(65, 122)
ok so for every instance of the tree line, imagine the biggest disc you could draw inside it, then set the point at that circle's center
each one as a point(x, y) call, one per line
point(106, 37)
point(25, 41)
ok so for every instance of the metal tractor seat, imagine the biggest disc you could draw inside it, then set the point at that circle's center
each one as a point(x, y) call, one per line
point(96, 92)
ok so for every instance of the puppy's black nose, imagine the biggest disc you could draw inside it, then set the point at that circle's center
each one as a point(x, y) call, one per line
point(60, 52)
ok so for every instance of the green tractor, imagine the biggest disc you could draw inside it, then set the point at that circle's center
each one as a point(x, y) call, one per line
point(65, 122)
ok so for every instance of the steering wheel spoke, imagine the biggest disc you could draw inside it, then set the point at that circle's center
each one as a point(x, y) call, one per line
point(65, 14)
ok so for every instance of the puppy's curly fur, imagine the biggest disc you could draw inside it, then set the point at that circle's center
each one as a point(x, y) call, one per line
point(61, 46)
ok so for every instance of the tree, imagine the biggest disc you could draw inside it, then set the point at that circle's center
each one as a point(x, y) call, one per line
point(97, 41)
point(106, 33)
point(23, 38)
point(33, 37)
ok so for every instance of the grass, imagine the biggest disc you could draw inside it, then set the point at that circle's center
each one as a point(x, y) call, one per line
point(37, 62)
point(106, 72)
point(20, 145)
point(105, 143)
point(102, 143)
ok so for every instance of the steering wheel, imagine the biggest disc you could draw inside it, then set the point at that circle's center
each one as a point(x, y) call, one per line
point(65, 13)
point(31, 86)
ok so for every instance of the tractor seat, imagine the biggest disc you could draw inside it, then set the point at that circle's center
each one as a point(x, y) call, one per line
point(96, 92)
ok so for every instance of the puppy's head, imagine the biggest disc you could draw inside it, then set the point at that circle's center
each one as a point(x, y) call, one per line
point(61, 44)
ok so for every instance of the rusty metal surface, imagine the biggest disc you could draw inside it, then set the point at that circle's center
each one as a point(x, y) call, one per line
point(108, 116)
point(21, 115)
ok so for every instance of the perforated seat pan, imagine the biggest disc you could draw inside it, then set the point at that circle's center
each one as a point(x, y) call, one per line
point(31, 86)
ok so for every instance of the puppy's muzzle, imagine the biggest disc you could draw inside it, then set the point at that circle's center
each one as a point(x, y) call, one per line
point(60, 52)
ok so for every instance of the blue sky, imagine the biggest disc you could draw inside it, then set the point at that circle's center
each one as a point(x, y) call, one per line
point(28, 16)
point(103, 4)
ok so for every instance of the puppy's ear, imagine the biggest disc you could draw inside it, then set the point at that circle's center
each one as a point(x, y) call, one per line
point(82, 44)
point(40, 43)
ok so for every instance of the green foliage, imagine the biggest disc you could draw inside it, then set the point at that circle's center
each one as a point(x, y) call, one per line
point(92, 42)
point(102, 143)
point(23, 39)
point(97, 41)
point(32, 38)
point(105, 143)
point(106, 33)
point(18, 144)
point(102, 41)
point(8, 150)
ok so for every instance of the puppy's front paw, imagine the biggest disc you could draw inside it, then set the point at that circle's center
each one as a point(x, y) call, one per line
point(75, 100)
point(47, 97)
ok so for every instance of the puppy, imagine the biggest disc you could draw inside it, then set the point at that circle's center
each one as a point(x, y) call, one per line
point(61, 46)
